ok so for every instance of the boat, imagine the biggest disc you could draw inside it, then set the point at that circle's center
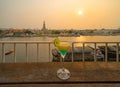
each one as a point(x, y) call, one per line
point(9, 52)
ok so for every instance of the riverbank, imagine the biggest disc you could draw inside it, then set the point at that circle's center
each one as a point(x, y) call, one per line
point(58, 32)
point(61, 35)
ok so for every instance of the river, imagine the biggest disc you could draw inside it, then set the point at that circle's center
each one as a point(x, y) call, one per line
point(74, 39)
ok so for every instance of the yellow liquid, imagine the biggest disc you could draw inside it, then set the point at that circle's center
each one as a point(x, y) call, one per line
point(63, 48)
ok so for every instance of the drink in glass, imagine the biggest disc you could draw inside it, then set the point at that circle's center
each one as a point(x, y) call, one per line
point(63, 48)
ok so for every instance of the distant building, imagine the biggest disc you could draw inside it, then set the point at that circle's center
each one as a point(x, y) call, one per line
point(44, 29)
point(16, 32)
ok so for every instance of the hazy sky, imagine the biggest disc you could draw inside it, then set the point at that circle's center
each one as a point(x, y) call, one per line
point(60, 14)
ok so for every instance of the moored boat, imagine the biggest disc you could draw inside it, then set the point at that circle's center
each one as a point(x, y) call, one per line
point(9, 52)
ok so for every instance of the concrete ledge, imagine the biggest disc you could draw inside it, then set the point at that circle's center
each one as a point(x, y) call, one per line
point(46, 72)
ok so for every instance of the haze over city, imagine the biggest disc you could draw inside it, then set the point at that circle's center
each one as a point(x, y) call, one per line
point(60, 14)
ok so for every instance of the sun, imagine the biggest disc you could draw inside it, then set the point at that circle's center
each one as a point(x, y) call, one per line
point(80, 12)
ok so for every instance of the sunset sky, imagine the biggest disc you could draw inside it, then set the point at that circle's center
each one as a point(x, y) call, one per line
point(60, 14)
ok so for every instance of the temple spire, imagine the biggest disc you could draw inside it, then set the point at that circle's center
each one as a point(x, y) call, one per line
point(44, 26)
point(44, 29)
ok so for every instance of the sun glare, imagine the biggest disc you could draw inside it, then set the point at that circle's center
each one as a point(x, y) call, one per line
point(80, 12)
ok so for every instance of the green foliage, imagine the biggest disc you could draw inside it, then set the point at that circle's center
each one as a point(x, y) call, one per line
point(0, 31)
point(55, 32)
point(28, 32)
point(70, 31)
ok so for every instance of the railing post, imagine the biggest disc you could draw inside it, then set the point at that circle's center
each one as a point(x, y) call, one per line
point(3, 53)
point(95, 58)
point(26, 53)
point(49, 52)
point(106, 52)
point(72, 51)
point(37, 52)
point(117, 52)
point(83, 53)
point(14, 52)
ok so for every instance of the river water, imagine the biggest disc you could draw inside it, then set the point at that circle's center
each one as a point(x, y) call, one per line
point(43, 48)
point(74, 39)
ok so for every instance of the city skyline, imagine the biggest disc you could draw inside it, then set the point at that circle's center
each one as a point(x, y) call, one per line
point(62, 14)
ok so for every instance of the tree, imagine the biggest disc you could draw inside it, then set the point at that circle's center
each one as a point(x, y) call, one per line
point(0, 31)
point(28, 32)
point(70, 31)
point(55, 32)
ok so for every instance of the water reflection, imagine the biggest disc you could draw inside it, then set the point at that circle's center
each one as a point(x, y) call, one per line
point(98, 38)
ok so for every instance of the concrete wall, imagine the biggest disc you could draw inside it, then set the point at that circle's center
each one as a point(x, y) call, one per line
point(46, 72)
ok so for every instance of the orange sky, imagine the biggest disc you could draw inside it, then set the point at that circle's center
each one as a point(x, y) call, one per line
point(60, 14)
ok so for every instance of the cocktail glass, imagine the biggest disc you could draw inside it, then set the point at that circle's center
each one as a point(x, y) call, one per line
point(63, 48)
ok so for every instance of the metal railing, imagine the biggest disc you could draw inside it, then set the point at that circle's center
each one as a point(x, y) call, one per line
point(50, 47)
point(3, 43)
point(95, 45)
